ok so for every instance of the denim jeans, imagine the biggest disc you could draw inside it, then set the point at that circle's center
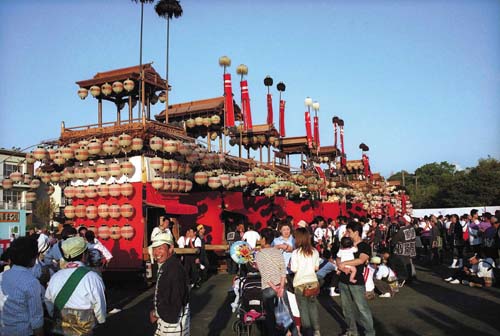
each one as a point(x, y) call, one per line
point(308, 307)
point(353, 301)
point(270, 301)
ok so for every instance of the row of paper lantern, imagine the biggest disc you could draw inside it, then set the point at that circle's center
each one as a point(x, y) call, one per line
point(115, 232)
point(170, 146)
point(103, 211)
point(102, 190)
point(255, 141)
point(169, 166)
point(107, 89)
point(200, 121)
point(171, 184)
point(9, 182)
point(89, 172)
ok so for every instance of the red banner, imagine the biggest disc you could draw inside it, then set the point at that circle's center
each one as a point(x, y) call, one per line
point(282, 118)
point(228, 101)
point(245, 104)
point(269, 109)
point(316, 132)
point(308, 129)
point(342, 159)
point(335, 132)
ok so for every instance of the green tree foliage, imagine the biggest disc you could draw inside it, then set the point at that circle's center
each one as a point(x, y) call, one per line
point(441, 185)
point(43, 212)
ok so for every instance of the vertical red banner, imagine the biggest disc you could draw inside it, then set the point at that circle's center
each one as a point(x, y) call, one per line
point(228, 101)
point(269, 109)
point(308, 129)
point(245, 104)
point(342, 159)
point(316, 132)
point(335, 134)
point(282, 118)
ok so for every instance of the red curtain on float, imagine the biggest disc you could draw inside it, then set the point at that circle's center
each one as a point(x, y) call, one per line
point(228, 101)
point(308, 129)
point(245, 104)
point(269, 109)
point(316, 132)
point(282, 118)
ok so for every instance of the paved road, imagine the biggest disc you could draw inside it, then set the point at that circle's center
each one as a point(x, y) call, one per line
point(429, 306)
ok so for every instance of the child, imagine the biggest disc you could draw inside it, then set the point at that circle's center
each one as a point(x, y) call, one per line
point(346, 253)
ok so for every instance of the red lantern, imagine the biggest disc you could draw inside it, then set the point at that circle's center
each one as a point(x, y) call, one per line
point(127, 232)
point(103, 232)
point(127, 210)
point(127, 189)
point(103, 211)
point(103, 190)
point(91, 211)
point(115, 232)
point(69, 211)
point(114, 211)
point(80, 211)
point(69, 192)
point(115, 190)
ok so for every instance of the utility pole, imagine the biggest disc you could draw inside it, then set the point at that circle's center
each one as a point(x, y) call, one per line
point(416, 184)
point(403, 177)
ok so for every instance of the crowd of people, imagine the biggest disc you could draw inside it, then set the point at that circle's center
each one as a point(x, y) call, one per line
point(56, 279)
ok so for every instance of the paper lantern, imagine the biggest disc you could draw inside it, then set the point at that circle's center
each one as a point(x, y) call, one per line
point(114, 169)
point(82, 154)
point(174, 184)
point(127, 168)
point(79, 173)
point(106, 89)
point(7, 183)
point(92, 228)
point(215, 119)
point(45, 177)
point(102, 170)
point(103, 211)
point(16, 176)
point(224, 179)
point(34, 184)
point(181, 185)
point(174, 165)
point(207, 122)
point(115, 190)
point(67, 174)
point(214, 182)
point(128, 85)
point(127, 210)
point(156, 143)
point(109, 147)
point(67, 153)
point(59, 159)
point(167, 185)
point(80, 192)
point(69, 211)
point(156, 163)
point(192, 157)
point(183, 148)
point(69, 192)
point(124, 140)
point(103, 232)
point(80, 211)
point(114, 211)
point(157, 182)
point(243, 180)
point(127, 232)
point(117, 87)
point(190, 123)
point(137, 144)
point(201, 178)
point(30, 158)
point(126, 189)
point(51, 152)
point(83, 93)
point(74, 146)
point(187, 169)
point(166, 166)
point(235, 180)
point(198, 121)
point(115, 232)
point(95, 91)
point(189, 186)
point(181, 168)
point(91, 212)
point(103, 190)
point(94, 147)
point(170, 146)
point(27, 178)
point(90, 191)
point(40, 153)
point(90, 172)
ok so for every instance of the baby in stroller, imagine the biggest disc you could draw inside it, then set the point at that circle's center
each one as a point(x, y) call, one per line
point(248, 303)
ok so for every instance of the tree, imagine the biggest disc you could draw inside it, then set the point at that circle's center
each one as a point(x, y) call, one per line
point(168, 9)
point(43, 212)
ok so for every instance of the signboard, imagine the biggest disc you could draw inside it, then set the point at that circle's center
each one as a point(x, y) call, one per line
point(9, 217)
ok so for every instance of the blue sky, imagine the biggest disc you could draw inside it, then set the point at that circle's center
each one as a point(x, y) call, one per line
point(417, 81)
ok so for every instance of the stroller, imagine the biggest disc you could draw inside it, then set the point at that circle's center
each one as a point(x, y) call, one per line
point(250, 306)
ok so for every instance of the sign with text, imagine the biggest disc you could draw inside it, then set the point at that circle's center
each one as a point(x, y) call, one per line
point(9, 217)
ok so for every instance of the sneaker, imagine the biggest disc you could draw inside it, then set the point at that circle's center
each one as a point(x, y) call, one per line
point(465, 282)
point(386, 295)
point(402, 283)
point(333, 292)
point(448, 279)
point(114, 311)
point(454, 282)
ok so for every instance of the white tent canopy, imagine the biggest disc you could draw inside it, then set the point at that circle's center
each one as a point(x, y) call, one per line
point(450, 211)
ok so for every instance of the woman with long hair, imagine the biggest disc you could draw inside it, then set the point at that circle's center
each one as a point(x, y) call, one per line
point(304, 263)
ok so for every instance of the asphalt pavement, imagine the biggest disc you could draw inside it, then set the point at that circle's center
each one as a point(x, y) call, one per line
point(429, 306)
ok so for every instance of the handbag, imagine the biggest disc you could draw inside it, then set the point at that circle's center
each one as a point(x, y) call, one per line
point(311, 289)
point(282, 315)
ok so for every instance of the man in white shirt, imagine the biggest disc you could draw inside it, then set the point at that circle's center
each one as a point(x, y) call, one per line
point(93, 243)
point(84, 306)
point(251, 236)
point(478, 275)
point(384, 278)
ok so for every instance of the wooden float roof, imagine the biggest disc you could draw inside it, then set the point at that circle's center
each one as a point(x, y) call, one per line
point(294, 145)
point(152, 78)
point(261, 129)
point(198, 108)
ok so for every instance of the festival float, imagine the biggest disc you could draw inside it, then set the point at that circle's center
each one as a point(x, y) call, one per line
point(193, 162)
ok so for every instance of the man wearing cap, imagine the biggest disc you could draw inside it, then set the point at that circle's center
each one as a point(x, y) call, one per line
point(384, 279)
point(75, 294)
point(55, 254)
point(404, 248)
point(202, 260)
point(171, 299)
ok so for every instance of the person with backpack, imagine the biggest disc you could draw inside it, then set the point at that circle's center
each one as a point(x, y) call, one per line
point(479, 274)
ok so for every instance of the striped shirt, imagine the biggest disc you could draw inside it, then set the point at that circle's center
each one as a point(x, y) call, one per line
point(271, 266)
point(21, 309)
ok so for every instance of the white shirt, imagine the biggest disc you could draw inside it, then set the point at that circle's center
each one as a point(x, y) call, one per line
point(369, 284)
point(88, 294)
point(304, 267)
point(99, 246)
point(157, 230)
point(251, 237)
point(319, 233)
point(484, 269)
point(346, 254)
point(366, 228)
point(383, 272)
point(341, 231)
